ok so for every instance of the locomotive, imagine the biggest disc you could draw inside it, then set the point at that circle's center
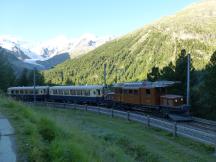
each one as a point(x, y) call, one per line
point(131, 95)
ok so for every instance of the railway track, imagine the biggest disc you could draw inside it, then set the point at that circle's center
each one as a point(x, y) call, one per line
point(199, 132)
point(195, 123)
point(203, 124)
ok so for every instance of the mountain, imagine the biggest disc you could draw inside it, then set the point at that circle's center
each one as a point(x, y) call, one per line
point(55, 60)
point(47, 49)
point(52, 52)
point(130, 57)
point(75, 47)
point(17, 64)
point(19, 48)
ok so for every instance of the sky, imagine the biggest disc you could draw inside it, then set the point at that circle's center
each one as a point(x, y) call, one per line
point(39, 20)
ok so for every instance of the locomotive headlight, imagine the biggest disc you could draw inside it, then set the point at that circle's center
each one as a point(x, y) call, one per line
point(176, 100)
point(181, 99)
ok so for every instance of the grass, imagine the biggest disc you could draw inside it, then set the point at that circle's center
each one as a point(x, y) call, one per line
point(45, 134)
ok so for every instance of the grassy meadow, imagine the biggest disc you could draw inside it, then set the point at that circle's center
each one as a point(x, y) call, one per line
point(45, 134)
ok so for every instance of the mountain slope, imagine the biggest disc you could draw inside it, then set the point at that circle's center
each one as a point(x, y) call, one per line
point(55, 60)
point(50, 53)
point(130, 58)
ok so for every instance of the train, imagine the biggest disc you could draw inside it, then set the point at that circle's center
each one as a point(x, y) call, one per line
point(145, 95)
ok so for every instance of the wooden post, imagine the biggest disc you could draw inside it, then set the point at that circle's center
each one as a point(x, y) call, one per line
point(148, 120)
point(128, 116)
point(174, 129)
point(215, 146)
point(34, 82)
point(105, 75)
point(112, 113)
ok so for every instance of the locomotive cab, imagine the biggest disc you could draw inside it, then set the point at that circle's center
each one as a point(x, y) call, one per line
point(171, 100)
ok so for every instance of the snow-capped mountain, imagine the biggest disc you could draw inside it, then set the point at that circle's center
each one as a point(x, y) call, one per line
point(62, 44)
point(31, 52)
point(44, 55)
point(20, 48)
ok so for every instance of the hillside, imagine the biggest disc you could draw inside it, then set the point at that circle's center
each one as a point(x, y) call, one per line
point(46, 134)
point(130, 57)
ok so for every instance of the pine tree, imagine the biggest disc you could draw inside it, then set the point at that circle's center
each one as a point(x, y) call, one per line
point(210, 83)
point(7, 77)
point(154, 75)
point(23, 79)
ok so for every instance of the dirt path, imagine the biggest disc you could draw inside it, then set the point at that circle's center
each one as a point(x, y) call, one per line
point(7, 149)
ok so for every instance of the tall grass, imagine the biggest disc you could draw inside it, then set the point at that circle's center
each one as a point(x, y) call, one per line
point(47, 135)
point(38, 138)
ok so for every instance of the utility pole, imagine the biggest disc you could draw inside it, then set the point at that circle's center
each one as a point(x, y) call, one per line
point(62, 76)
point(188, 80)
point(105, 84)
point(34, 80)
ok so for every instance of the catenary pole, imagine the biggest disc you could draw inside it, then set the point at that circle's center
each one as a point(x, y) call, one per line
point(34, 80)
point(188, 80)
point(105, 84)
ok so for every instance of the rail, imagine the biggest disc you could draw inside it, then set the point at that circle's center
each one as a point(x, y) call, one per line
point(172, 127)
point(204, 121)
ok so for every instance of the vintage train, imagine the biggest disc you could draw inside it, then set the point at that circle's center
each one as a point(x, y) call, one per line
point(142, 95)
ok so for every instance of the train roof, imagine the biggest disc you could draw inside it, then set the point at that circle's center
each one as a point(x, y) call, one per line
point(171, 96)
point(28, 87)
point(78, 87)
point(145, 84)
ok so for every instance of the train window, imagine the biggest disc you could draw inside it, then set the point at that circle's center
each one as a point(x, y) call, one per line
point(66, 92)
point(125, 91)
point(12, 92)
point(98, 92)
point(135, 92)
point(21, 91)
point(87, 93)
point(60, 92)
point(130, 91)
point(78, 92)
point(170, 102)
point(120, 91)
point(72, 92)
point(148, 92)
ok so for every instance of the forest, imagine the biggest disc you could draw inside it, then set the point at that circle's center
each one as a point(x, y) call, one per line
point(8, 77)
point(203, 88)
